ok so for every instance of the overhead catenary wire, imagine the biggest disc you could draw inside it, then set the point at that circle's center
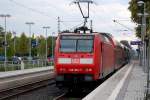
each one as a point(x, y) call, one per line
point(123, 25)
point(43, 13)
point(68, 21)
point(65, 24)
point(76, 26)
point(32, 9)
point(39, 12)
point(126, 19)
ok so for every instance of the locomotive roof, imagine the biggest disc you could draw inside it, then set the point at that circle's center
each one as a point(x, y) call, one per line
point(71, 33)
point(106, 34)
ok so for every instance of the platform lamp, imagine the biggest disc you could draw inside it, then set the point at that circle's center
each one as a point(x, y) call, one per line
point(46, 29)
point(145, 41)
point(30, 32)
point(5, 16)
point(143, 15)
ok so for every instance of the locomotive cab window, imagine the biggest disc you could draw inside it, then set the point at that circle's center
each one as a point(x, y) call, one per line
point(68, 45)
point(76, 43)
point(85, 46)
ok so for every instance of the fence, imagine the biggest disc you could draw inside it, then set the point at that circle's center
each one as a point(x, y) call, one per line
point(25, 64)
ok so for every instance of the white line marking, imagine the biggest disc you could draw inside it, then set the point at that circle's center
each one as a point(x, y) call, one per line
point(116, 91)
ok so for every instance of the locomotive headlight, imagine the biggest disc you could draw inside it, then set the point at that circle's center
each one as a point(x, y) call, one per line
point(60, 78)
point(86, 61)
point(88, 78)
point(62, 69)
point(88, 69)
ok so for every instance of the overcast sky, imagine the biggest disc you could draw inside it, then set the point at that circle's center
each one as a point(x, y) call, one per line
point(45, 13)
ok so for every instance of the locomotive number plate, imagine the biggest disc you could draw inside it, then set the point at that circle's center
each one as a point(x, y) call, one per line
point(75, 60)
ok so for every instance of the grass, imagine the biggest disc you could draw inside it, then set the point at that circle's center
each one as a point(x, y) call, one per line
point(9, 68)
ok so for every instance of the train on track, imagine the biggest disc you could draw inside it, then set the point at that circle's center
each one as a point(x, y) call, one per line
point(83, 58)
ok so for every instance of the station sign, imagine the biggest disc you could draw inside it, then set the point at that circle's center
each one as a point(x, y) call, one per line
point(136, 42)
point(34, 43)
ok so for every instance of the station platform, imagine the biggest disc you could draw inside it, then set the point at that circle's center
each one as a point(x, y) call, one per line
point(128, 83)
point(23, 72)
point(12, 79)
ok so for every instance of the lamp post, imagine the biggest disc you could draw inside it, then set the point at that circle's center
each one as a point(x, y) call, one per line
point(53, 44)
point(14, 43)
point(144, 39)
point(30, 24)
point(5, 16)
point(52, 47)
point(143, 31)
point(46, 28)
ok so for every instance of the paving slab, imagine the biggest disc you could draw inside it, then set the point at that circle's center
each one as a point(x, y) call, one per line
point(25, 71)
point(135, 90)
point(126, 84)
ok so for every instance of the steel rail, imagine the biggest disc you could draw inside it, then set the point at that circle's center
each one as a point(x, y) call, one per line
point(60, 96)
point(9, 93)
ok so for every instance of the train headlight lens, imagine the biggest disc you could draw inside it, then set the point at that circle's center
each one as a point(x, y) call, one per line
point(88, 69)
point(62, 69)
point(60, 78)
point(86, 61)
point(88, 78)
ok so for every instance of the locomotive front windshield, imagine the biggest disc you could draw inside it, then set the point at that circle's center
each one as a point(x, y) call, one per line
point(76, 43)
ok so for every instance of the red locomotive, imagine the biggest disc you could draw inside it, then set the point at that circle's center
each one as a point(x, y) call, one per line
point(86, 57)
point(82, 58)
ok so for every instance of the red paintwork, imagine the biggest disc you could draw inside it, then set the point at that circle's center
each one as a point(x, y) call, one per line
point(105, 55)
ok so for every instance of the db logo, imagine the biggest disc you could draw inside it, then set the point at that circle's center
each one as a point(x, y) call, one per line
point(75, 61)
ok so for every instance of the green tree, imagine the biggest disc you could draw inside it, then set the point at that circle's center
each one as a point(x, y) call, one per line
point(10, 48)
point(1, 31)
point(50, 44)
point(41, 47)
point(1, 41)
point(23, 47)
point(134, 8)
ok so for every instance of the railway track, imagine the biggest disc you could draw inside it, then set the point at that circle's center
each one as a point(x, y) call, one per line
point(9, 93)
point(80, 94)
point(60, 97)
point(17, 91)
point(70, 96)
